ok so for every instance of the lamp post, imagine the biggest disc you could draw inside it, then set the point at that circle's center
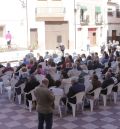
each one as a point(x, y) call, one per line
point(75, 21)
point(27, 23)
point(24, 4)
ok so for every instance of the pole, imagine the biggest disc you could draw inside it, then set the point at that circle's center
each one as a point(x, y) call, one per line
point(27, 24)
point(75, 22)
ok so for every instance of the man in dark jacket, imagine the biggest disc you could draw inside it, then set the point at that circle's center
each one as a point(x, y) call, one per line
point(31, 84)
point(74, 89)
point(108, 81)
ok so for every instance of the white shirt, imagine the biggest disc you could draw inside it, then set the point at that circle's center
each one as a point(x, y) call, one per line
point(57, 91)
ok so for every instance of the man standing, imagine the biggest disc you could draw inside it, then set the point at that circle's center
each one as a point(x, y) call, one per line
point(62, 48)
point(8, 39)
point(45, 104)
point(88, 45)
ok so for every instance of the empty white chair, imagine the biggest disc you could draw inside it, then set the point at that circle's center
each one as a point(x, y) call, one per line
point(109, 90)
point(1, 87)
point(96, 93)
point(115, 93)
point(10, 88)
point(57, 103)
point(31, 101)
point(22, 86)
point(6, 80)
point(79, 100)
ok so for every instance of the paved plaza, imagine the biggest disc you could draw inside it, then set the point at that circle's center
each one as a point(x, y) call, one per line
point(14, 116)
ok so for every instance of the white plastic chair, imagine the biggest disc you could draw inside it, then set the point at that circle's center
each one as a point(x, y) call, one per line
point(116, 93)
point(79, 100)
point(66, 89)
point(1, 87)
point(57, 103)
point(95, 97)
point(10, 87)
point(22, 86)
point(6, 80)
point(109, 91)
point(98, 70)
point(9, 73)
point(90, 72)
point(39, 77)
point(31, 101)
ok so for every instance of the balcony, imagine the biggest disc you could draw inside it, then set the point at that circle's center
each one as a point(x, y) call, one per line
point(50, 13)
point(84, 20)
point(99, 21)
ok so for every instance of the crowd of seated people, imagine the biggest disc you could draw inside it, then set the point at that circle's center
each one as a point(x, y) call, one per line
point(68, 72)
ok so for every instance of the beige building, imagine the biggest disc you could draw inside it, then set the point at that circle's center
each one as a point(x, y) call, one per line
point(72, 23)
point(113, 14)
point(47, 23)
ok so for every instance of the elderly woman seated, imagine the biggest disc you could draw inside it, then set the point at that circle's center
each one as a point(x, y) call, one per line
point(74, 71)
point(7, 68)
point(95, 84)
point(23, 75)
point(31, 84)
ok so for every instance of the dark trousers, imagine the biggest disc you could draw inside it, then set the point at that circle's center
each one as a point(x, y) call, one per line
point(47, 118)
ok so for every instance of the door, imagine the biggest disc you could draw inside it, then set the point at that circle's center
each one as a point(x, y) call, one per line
point(113, 35)
point(55, 33)
point(33, 38)
point(92, 36)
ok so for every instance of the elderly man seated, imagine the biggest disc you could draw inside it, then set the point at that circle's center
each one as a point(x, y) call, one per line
point(108, 81)
point(74, 89)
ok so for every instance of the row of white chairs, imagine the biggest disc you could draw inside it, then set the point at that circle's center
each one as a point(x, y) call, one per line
point(82, 95)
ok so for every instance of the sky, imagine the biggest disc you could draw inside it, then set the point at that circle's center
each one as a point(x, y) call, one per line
point(9, 9)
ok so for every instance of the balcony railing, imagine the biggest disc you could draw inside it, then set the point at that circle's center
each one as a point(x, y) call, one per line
point(84, 20)
point(99, 21)
point(50, 12)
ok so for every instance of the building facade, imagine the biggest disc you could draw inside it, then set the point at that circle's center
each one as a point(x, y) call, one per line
point(113, 13)
point(47, 23)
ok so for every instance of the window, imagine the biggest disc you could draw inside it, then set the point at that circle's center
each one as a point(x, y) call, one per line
point(118, 13)
point(82, 15)
point(1, 31)
point(110, 12)
point(82, 11)
point(59, 38)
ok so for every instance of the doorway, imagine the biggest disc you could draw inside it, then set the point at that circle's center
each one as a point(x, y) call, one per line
point(113, 35)
point(92, 36)
point(56, 32)
point(33, 38)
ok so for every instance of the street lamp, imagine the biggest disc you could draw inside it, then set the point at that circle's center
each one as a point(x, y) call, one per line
point(75, 21)
point(24, 4)
point(76, 8)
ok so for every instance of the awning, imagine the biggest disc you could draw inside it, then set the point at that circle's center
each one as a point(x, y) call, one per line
point(84, 7)
point(98, 9)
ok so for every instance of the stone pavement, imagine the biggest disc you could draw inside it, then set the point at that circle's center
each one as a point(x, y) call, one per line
point(14, 116)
